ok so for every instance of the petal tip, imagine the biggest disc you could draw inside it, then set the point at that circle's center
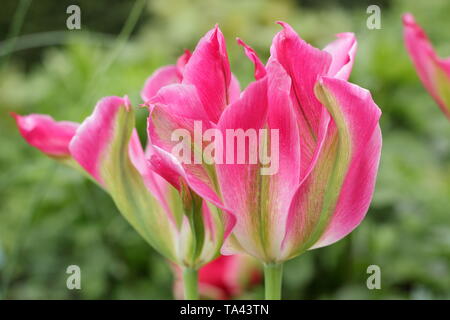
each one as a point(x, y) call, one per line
point(282, 23)
point(14, 115)
point(408, 19)
point(349, 35)
point(126, 102)
point(215, 32)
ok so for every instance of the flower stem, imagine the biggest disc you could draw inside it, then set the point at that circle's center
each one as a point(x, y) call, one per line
point(190, 282)
point(273, 274)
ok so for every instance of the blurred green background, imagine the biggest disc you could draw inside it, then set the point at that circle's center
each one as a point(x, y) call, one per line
point(52, 217)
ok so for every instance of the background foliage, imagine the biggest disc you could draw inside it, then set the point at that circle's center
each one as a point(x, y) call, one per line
point(51, 217)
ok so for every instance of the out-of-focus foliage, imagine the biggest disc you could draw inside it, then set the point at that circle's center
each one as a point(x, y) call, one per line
point(51, 217)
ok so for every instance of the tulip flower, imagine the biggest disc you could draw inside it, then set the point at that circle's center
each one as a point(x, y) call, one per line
point(434, 72)
point(167, 214)
point(224, 278)
point(327, 142)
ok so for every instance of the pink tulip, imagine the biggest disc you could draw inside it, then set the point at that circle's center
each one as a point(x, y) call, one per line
point(167, 214)
point(226, 277)
point(433, 71)
point(327, 149)
point(329, 142)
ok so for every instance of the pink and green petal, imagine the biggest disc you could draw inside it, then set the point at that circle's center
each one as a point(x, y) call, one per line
point(102, 147)
point(201, 228)
point(178, 107)
point(343, 51)
point(433, 71)
point(347, 163)
point(292, 52)
point(261, 201)
point(164, 122)
point(238, 182)
point(356, 194)
point(282, 185)
point(201, 234)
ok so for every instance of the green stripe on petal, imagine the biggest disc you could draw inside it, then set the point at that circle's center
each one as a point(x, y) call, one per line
point(355, 118)
point(442, 82)
point(128, 190)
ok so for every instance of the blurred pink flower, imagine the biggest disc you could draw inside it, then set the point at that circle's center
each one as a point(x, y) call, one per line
point(432, 70)
point(226, 277)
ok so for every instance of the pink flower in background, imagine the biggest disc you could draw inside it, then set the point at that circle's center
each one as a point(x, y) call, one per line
point(329, 142)
point(432, 70)
point(224, 278)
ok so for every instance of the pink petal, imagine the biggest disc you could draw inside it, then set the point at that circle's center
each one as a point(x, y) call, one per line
point(46, 134)
point(281, 117)
point(356, 193)
point(182, 61)
point(214, 274)
point(242, 272)
point(94, 137)
point(160, 78)
point(93, 142)
point(237, 181)
point(95, 134)
point(181, 100)
point(428, 64)
point(261, 202)
point(223, 278)
point(167, 166)
point(178, 107)
point(334, 198)
point(136, 152)
point(165, 76)
point(234, 90)
point(304, 64)
point(260, 69)
point(154, 182)
point(171, 170)
point(208, 70)
point(342, 51)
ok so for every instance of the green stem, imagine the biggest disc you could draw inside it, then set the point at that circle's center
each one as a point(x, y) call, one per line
point(273, 275)
point(190, 282)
